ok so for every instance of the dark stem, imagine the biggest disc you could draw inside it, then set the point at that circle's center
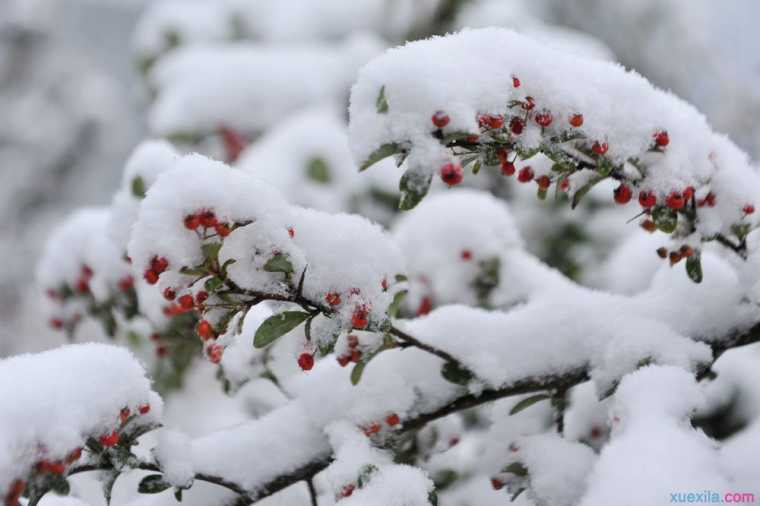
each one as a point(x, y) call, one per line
point(312, 491)
point(412, 341)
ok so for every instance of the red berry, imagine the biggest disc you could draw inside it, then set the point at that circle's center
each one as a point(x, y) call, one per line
point(393, 420)
point(662, 252)
point(525, 175)
point(440, 119)
point(332, 298)
point(649, 226)
point(86, 272)
point(373, 428)
point(516, 125)
point(709, 200)
point(343, 360)
point(161, 351)
point(291, 232)
point(155, 336)
point(359, 319)
point(515, 82)
point(576, 120)
point(675, 257)
point(347, 490)
point(748, 209)
point(688, 193)
point(491, 120)
point(126, 283)
point(426, 305)
point(544, 118)
point(234, 143)
point(356, 356)
point(384, 284)
point(111, 439)
point(201, 297)
point(686, 251)
point(353, 341)
point(45, 466)
point(647, 199)
point(73, 456)
point(599, 148)
point(159, 264)
point(222, 229)
point(169, 293)
point(151, 277)
point(497, 484)
point(508, 168)
point(529, 103)
point(472, 139)
point(453, 441)
point(596, 432)
point(205, 330)
point(675, 200)
point(306, 361)
point(564, 185)
point(544, 182)
point(466, 255)
point(82, 286)
point(452, 173)
point(186, 302)
point(214, 353)
point(623, 194)
point(661, 138)
point(56, 323)
point(208, 219)
point(144, 409)
point(192, 221)
point(52, 294)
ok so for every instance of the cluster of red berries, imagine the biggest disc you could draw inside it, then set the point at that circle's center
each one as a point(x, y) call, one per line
point(353, 354)
point(157, 266)
point(392, 421)
point(676, 256)
point(161, 349)
point(360, 317)
point(126, 283)
point(206, 219)
point(184, 303)
point(214, 352)
point(82, 284)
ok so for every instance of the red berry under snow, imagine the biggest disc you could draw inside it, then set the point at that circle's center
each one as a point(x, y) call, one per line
point(214, 353)
point(169, 293)
point(466, 255)
point(748, 209)
point(576, 120)
point(515, 82)
point(623, 194)
point(201, 297)
point(144, 409)
point(359, 319)
point(205, 330)
point(544, 118)
point(159, 264)
point(544, 182)
point(306, 361)
point(647, 199)
point(599, 148)
point(208, 219)
point(661, 138)
point(525, 175)
point(516, 125)
point(186, 301)
point(491, 120)
point(151, 277)
point(393, 420)
point(440, 119)
point(452, 173)
point(192, 221)
point(675, 200)
point(126, 283)
point(332, 298)
point(56, 323)
point(426, 305)
point(347, 490)
point(111, 439)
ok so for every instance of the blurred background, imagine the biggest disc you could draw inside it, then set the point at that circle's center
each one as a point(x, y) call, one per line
point(83, 81)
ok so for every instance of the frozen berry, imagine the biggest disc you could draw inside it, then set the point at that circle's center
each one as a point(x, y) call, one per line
point(525, 175)
point(356, 356)
point(353, 341)
point(333, 298)
point(360, 318)
point(161, 351)
point(599, 148)
point(169, 293)
point(426, 305)
point(46, 466)
point(192, 221)
point(544, 182)
point(662, 252)
point(491, 120)
point(343, 360)
point(647, 199)
point(709, 200)
point(159, 264)
point(347, 490)
point(214, 353)
point(393, 420)
point(56, 323)
point(544, 118)
point(151, 276)
point(111, 439)
point(675, 200)
point(576, 120)
point(205, 330)
point(144, 409)
point(222, 229)
point(515, 82)
point(372, 428)
point(466, 255)
point(306, 361)
point(201, 297)
point(688, 193)
point(82, 286)
point(208, 219)
point(452, 173)
point(648, 225)
point(516, 125)
point(440, 119)
point(126, 283)
point(686, 251)
point(564, 185)
point(529, 103)
point(186, 302)
point(748, 209)
point(623, 194)
point(384, 284)
point(291, 232)
point(675, 257)
point(497, 484)
point(661, 138)
point(507, 168)
point(73, 456)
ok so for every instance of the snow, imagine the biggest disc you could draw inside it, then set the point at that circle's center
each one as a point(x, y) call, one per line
point(53, 401)
point(173, 455)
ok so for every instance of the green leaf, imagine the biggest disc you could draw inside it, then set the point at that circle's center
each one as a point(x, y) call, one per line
point(380, 153)
point(317, 170)
point(528, 402)
point(279, 263)
point(665, 218)
point(516, 468)
point(394, 307)
point(138, 187)
point(178, 494)
point(583, 190)
point(153, 484)
point(211, 251)
point(400, 278)
point(278, 325)
point(455, 373)
point(476, 167)
point(358, 370)
point(413, 188)
point(694, 267)
point(212, 284)
point(381, 103)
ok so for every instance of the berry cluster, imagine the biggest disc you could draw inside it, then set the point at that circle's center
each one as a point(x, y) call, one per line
point(353, 354)
point(392, 421)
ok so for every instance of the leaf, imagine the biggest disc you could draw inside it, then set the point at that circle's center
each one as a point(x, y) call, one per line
point(455, 373)
point(528, 402)
point(138, 187)
point(516, 495)
point(516, 468)
point(211, 251)
point(380, 153)
point(381, 103)
point(317, 170)
point(665, 218)
point(212, 284)
point(400, 278)
point(413, 188)
point(396, 304)
point(278, 325)
point(694, 268)
point(178, 494)
point(583, 190)
point(153, 484)
point(279, 263)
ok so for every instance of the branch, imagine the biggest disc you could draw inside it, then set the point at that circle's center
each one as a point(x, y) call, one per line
point(412, 341)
